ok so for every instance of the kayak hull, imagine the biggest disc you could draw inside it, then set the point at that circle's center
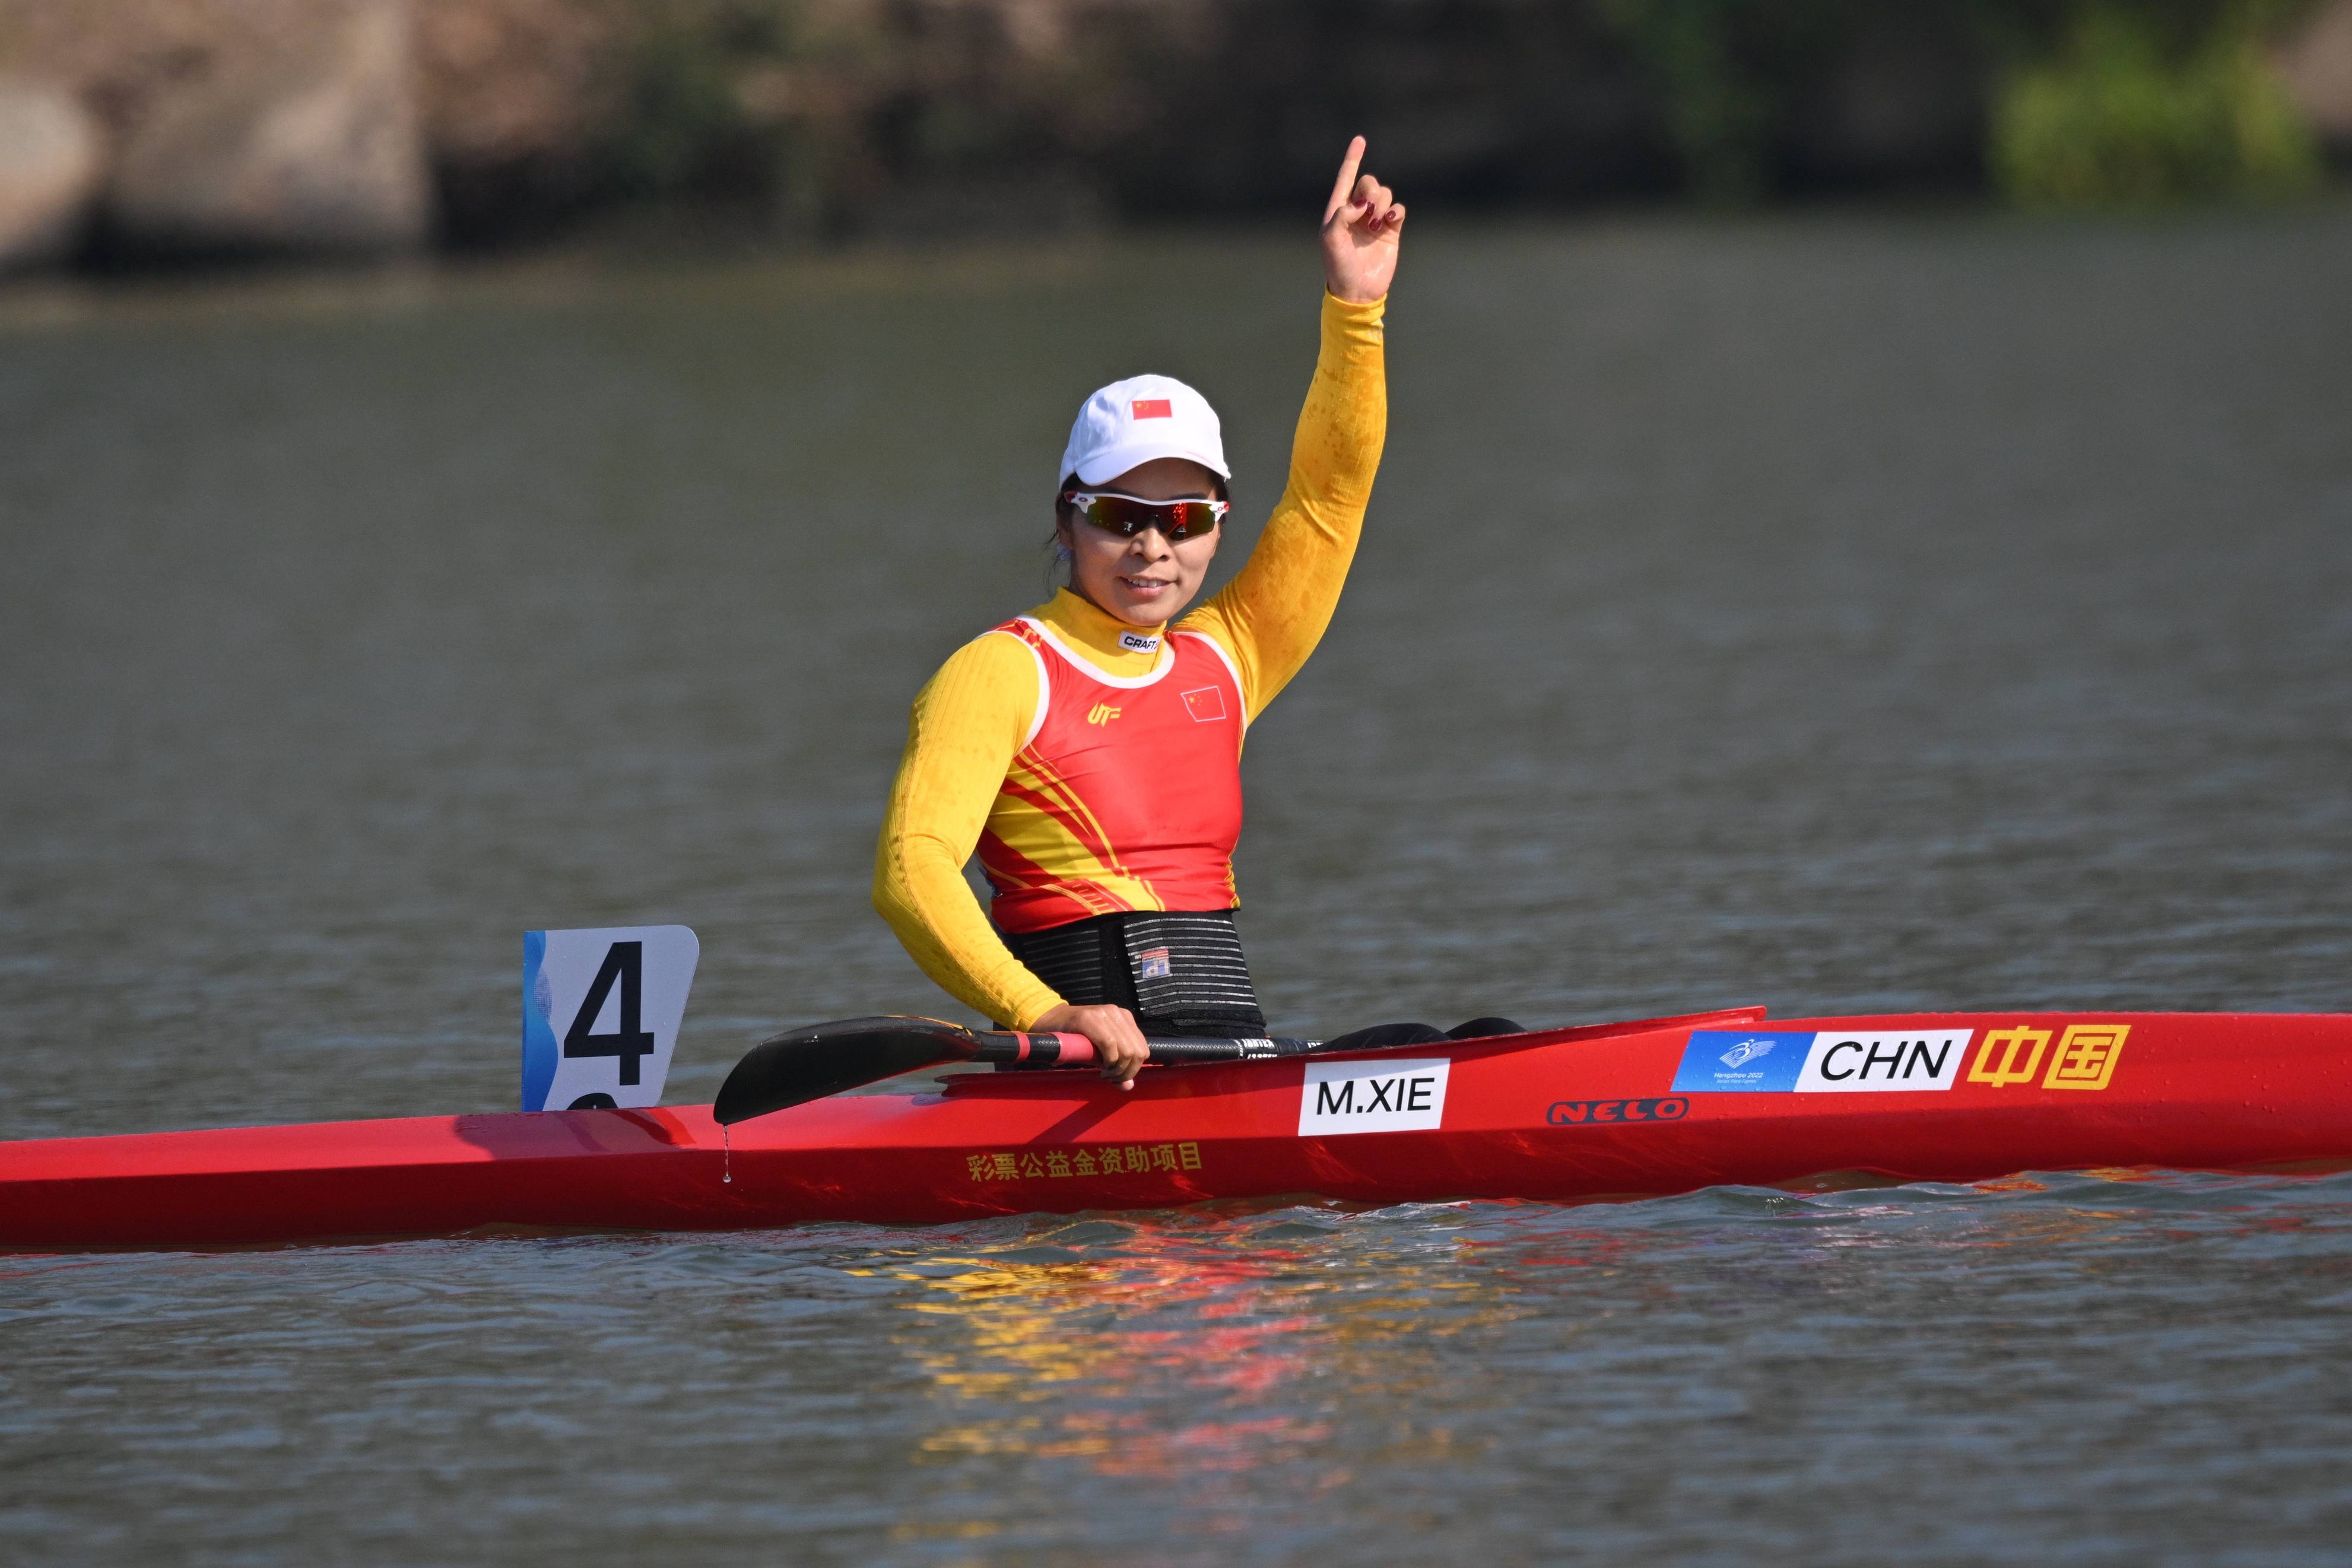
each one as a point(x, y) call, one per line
point(1606, 1112)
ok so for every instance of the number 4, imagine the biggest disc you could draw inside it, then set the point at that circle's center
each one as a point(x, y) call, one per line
point(625, 961)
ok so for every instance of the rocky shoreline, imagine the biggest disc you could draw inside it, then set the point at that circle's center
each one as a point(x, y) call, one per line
point(143, 131)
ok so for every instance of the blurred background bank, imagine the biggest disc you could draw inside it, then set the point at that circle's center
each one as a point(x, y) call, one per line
point(134, 132)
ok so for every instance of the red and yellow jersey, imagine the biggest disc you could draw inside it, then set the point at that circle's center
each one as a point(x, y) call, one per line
point(1127, 792)
point(1011, 749)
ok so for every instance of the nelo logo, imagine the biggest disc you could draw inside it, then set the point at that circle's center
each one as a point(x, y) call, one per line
point(1597, 1112)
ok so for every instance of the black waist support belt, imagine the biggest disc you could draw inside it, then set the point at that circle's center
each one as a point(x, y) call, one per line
point(1179, 971)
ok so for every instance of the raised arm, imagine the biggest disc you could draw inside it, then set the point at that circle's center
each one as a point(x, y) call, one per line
point(1274, 611)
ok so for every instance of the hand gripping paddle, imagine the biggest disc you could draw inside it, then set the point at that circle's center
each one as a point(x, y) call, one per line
point(801, 1065)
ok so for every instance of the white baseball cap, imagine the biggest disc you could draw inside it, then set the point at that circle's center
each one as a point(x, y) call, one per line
point(1133, 421)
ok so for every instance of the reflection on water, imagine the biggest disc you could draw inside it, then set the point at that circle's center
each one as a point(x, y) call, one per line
point(1847, 1375)
point(1256, 1324)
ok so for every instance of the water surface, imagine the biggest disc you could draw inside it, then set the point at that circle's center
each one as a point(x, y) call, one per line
point(1830, 614)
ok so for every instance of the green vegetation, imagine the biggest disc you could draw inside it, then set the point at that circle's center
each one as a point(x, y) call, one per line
point(679, 126)
point(816, 117)
point(1729, 75)
point(2120, 119)
point(2080, 103)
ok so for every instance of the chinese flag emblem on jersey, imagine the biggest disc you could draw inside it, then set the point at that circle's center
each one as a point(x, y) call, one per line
point(1206, 704)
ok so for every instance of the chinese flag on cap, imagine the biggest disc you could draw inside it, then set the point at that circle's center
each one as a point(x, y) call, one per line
point(1139, 420)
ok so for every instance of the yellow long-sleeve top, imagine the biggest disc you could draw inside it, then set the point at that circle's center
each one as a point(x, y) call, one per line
point(972, 717)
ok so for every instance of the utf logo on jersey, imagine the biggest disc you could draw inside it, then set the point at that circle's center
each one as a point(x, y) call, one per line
point(1750, 1061)
point(1101, 713)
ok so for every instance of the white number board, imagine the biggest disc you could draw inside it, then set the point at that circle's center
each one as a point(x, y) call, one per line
point(600, 1014)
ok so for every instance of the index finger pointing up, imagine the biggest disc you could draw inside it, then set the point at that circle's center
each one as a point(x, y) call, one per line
point(1342, 189)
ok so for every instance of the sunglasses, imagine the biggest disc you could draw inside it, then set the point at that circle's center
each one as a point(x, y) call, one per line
point(1127, 516)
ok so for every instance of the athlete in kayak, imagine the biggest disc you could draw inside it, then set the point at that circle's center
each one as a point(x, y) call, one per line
point(1090, 750)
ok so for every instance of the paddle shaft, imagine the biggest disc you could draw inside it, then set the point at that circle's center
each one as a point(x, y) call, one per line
point(1012, 1049)
point(801, 1065)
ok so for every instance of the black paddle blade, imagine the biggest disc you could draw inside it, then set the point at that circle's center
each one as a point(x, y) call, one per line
point(801, 1065)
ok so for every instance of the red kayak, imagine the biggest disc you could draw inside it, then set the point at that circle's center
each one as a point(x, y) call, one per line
point(1617, 1111)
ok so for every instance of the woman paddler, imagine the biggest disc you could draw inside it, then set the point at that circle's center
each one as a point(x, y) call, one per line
point(1090, 750)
